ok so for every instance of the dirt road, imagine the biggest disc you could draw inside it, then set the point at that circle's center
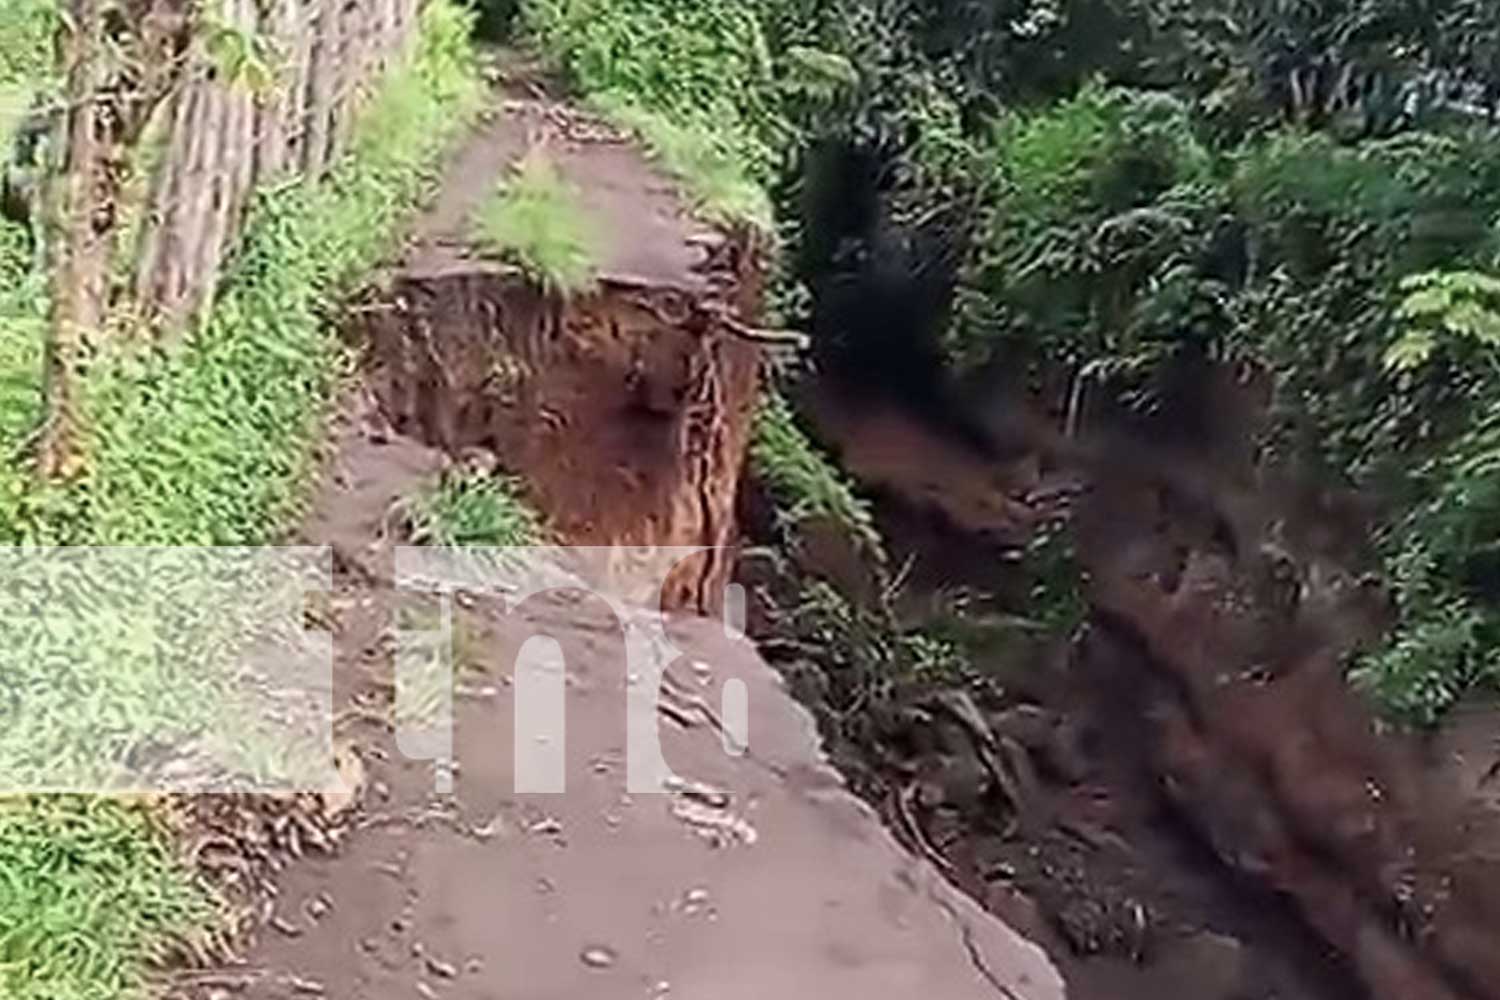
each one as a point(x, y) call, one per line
point(760, 877)
point(755, 876)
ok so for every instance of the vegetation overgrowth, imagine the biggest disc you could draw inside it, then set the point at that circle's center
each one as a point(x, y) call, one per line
point(1082, 190)
point(536, 220)
point(466, 508)
point(205, 442)
point(1072, 192)
point(804, 483)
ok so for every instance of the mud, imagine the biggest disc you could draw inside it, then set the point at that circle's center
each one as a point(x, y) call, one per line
point(489, 892)
point(755, 872)
point(626, 409)
point(1192, 798)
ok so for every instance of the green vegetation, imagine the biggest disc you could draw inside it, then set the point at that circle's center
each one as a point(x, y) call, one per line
point(802, 480)
point(121, 651)
point(1443, 305)
point(25, 61)
point(535, 219)
point(702, 65)
point(704, 85)
point(472, 508)
point(852, 662)
point(1121, 238)
point(90, 888)
point(1101, 186)
point(23, 319)
point(1079, 191)
point(207, 442)
point(709, 171)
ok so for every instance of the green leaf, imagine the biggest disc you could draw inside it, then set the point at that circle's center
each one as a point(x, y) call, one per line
point(1412, 351)
point(1469, 319)
point(1430, 301)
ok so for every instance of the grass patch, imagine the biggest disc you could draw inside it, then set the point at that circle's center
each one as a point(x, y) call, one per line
point(804, 482)
point(472, 508)
point(709, 170)
point(89, 887)
point(26, 34)
point(23, 322)
point(206, 442)
point(535, 220)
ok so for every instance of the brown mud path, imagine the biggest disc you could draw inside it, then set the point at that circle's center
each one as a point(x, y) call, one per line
point(1200, 806)
point(626, 408)
point(761, 876)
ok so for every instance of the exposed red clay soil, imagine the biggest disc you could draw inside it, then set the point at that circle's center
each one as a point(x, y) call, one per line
point(626, 410)
point(1201, 807)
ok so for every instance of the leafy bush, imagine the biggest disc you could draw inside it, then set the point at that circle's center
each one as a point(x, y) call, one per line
point(1357, 272)
point(1439, 655)
point(1458, 306)
point(536, 220)
point(471, 508)
point(703, 65)
point(1105, 210)
point(1443, 562)
point(802, 480)
point(701, 85)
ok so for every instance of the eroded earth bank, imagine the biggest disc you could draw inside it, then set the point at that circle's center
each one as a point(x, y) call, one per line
point(1181, 793)
point(1178, 796)
point(625, 411)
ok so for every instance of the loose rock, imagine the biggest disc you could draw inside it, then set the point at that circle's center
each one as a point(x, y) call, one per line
point(598, 957)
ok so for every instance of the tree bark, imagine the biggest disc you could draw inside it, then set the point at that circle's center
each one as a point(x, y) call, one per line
point(322, 74)
point(120, 60)
point(80, 250)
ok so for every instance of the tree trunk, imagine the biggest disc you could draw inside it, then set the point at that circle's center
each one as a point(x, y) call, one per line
point(322, 74)
point(120, 62)
point(80, 250)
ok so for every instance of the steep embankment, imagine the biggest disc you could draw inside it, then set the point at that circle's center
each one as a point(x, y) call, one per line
point(626, 411)
point(1184, 795)
point(624, 408)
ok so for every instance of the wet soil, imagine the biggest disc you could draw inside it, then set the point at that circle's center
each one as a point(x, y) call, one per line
point(624, 409)
point(1186, 796)
point(746, 875)
point(755, 875)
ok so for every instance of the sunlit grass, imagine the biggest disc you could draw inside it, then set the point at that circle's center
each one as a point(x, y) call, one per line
point(535, 219)
point(711, 175)
point(472, 509)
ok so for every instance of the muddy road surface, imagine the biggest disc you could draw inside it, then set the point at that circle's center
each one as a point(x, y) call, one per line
point(748, 874)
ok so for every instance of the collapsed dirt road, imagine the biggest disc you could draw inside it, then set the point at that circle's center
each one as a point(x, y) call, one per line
point(1196, 801)
point(754, 875)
